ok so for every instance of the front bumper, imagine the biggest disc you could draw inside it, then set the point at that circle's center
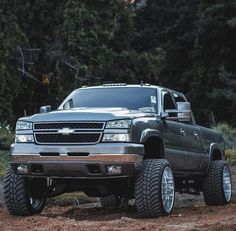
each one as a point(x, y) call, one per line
point(93, 165)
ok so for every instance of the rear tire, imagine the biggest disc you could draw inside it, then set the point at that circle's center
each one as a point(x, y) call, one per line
point(217, 186)
point(113, 201)
point(154, 189)
point(17, 197)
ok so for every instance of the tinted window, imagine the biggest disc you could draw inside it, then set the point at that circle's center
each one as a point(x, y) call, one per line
point(178, 98)
point(168, 101)
point(142, 99)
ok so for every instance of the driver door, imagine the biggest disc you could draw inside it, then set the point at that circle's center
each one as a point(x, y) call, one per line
point(174, 135)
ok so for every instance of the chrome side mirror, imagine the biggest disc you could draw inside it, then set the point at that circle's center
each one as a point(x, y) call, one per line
point(184, 113)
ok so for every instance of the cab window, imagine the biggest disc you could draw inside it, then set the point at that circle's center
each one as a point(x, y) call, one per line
point(168, 101)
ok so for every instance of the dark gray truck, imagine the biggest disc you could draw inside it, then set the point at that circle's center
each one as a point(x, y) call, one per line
point(116, 142)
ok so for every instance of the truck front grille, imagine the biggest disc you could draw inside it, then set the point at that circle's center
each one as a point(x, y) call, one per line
point(80, 125)
point(76, 138)
point(68, 132)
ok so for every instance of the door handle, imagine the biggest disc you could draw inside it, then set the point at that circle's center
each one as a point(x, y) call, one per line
point(196, 134)
point(182, 131)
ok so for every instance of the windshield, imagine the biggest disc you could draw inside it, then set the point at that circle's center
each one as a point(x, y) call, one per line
point(132, 98)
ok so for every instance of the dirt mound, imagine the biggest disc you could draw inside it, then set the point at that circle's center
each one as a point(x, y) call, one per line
point(86, 218)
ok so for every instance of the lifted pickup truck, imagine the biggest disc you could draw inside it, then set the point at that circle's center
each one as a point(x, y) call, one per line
point(116, 142)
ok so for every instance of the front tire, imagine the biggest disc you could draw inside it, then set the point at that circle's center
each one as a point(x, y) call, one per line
point(17, 197)
point(154, 189)
point(217, 186)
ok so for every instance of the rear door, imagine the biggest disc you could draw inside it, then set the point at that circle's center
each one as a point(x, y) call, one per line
point(193, 147)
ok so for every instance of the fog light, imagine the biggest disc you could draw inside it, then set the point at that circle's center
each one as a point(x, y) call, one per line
point(22, 168)
point(114, 169)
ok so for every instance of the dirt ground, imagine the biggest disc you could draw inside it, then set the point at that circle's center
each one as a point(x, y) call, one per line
point(194, 217)
point(190, 213)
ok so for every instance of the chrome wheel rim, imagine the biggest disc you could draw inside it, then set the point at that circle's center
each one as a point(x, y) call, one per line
point(227, 186)
point(35, 202)
point(167, 189)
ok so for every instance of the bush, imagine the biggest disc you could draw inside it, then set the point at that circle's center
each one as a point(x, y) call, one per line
point(225, 128)
point(6, 137)
point(230, 155)
point(229, 134)
point(4, 161)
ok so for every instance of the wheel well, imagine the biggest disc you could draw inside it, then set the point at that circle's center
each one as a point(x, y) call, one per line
point(216, 155)
point(153, 148)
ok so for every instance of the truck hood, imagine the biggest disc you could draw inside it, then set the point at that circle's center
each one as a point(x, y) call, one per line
point(87, 114)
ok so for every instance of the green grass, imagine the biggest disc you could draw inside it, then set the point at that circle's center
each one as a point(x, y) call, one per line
point(4, 160)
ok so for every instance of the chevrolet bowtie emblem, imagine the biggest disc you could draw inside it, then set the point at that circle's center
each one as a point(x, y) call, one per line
point(66, 131)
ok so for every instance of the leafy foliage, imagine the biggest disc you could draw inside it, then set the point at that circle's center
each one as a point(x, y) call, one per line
point(4, 161)
point(230, 155)
point(229, 134)
point(198, 39)
point(6, 137)
point(49, 48)
point(11, 37)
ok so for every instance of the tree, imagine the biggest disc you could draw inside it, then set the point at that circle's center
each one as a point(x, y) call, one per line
point(50, 48)
point(98, 36)
point(198, 38)
point(213, 62)
point(11, 38)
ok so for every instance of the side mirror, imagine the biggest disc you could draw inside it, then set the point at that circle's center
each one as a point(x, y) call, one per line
point(45, 109)
point(184, 113)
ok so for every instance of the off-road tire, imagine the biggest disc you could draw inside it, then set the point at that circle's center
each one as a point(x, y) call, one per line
point(213, 190)
point(148, 188)
point(113, 201)
point(16, 197)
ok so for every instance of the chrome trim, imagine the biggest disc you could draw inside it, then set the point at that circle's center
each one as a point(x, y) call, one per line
point(227, 184)
point(167, 189)
point(105, 158)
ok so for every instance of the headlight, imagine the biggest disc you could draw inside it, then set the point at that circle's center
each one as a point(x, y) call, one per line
point(24, 138)
point(119, 124)
point(23, 125)
point(116, 138)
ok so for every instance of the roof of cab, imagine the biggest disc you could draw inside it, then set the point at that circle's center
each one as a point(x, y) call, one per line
point(115, 85)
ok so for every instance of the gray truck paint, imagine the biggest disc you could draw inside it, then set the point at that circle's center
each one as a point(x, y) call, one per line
point(187, 146)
